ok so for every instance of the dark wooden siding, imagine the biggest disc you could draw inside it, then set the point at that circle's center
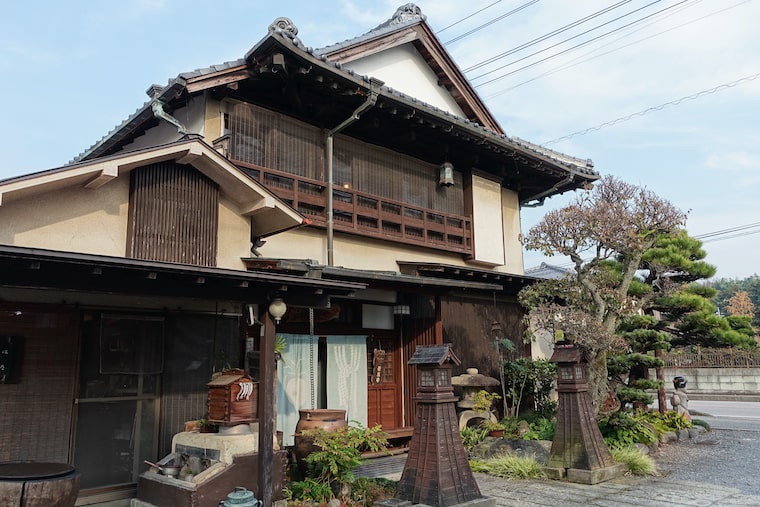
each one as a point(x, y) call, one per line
point(173, 215)
point(467, 326)
point(419, 329)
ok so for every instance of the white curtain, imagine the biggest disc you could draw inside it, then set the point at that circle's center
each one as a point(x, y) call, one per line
point(346, 379)
point(347, 376)
point(294, 375)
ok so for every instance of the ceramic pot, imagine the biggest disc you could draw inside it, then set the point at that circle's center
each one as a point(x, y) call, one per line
point(326, 418)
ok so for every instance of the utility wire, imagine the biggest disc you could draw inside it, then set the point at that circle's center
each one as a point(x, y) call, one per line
point(467, 17)
point(478, 28)
point(578, 61)
point(593, 39)
point(544, 37)
point(655, 108)
point(727, 231)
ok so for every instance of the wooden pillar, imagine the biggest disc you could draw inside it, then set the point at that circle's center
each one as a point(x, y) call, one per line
point(266, 404)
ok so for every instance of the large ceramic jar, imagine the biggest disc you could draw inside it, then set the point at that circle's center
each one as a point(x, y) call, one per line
point(327, 419)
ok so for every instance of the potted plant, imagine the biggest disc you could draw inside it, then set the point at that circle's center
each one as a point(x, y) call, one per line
point(494, 429)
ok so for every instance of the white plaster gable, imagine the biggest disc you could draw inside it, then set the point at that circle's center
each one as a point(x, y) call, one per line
point(404, 69)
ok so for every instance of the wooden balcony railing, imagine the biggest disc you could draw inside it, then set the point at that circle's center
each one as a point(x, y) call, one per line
point(368, 215)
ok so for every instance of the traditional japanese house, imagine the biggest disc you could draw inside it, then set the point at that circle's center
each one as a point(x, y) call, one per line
point(364, 185)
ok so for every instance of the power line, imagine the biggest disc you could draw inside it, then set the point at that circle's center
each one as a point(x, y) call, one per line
point(593, 39)
point(544, 37)
point(577, 61)
point(653, 109)
point(468, 17)
point(728, 231)
point(478, 28)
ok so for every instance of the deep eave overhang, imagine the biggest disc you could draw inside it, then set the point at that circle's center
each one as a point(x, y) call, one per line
point(278, 55)
point(373, 279)
point(23, 267)
point(267, 212)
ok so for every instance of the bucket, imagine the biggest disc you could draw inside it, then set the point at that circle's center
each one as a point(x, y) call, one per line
point(326, 418)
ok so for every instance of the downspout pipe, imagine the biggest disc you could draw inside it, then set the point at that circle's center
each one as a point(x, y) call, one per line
point(329, 141)
point(542, 196)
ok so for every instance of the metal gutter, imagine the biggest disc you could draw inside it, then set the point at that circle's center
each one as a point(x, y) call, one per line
point(374, 84)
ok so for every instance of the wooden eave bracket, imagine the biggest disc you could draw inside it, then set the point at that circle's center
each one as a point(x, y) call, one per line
point(108, 172)
point(221, 78)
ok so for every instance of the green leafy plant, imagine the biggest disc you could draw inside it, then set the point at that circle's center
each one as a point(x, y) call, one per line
point(637, 462)
point(509, 466)
point(309, 489)
point(339, 452)
point(279, 346)
point(541, 429)
point(483, 400)
point(622, 429)
point(472, 436)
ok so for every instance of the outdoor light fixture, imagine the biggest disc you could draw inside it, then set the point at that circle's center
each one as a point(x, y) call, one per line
point(446, 177)
point(401, 310)
point(277, 309)
point(496, 329)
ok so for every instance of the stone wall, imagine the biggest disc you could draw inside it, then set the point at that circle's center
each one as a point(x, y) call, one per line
point(717, 383)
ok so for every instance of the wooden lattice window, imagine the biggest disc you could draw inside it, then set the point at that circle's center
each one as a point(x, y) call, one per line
point(173, 214)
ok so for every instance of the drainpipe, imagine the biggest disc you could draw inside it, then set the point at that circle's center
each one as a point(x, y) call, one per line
point(374, 84)
point(542, 196)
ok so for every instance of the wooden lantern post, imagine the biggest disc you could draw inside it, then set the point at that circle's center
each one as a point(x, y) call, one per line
point(437, 472)
point(578, 450)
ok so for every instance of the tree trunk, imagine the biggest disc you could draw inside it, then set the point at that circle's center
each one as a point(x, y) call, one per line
point(597, 379)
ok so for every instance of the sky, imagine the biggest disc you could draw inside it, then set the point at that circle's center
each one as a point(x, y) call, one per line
point(663, 94)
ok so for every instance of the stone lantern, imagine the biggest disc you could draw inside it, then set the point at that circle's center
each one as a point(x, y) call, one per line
point(471, 382)
point(436, 472)
point(578, 450)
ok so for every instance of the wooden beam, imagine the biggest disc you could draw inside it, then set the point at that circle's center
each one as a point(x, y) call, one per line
point(267, 378)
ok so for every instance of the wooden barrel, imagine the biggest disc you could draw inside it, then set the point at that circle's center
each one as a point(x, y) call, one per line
point(38, 485)
point(327, 419)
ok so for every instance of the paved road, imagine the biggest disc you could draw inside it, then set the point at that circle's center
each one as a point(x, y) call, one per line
point(720, 468)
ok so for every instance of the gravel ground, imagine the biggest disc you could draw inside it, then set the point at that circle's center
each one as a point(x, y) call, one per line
point(724, 457)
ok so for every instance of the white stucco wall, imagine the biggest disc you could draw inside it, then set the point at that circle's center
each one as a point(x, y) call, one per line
point(191, 117)
point(351, 251)
point(403, 69)
point(487, 221)
point(234, 236)
point(510, 203)
point(73, 219)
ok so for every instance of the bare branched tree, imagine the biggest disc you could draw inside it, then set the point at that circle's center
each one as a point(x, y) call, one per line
point(616, 221)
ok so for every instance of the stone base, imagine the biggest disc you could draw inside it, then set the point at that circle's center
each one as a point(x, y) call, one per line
point(480, 502)
point(585, 476)
point(556, 474)
point(596, 476)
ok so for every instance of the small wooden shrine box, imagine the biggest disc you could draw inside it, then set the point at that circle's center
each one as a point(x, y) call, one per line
point(232, 398)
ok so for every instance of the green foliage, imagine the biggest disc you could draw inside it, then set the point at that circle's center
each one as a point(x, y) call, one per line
point(726, 288)
point(472, 436)
point(309, 489)
point(340, 451)
point(540, 429)
point(669, 421)
point(637, 462)
point(622, 429)
point(509, 466)
point(365, 491)
point(528, 378)
point(483, 400)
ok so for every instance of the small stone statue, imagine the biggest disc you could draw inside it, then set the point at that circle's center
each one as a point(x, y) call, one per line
point(679, 399)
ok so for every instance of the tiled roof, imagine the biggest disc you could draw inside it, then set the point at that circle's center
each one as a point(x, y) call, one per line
point(405, 16)
point(284, 30)
point(549, 272)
